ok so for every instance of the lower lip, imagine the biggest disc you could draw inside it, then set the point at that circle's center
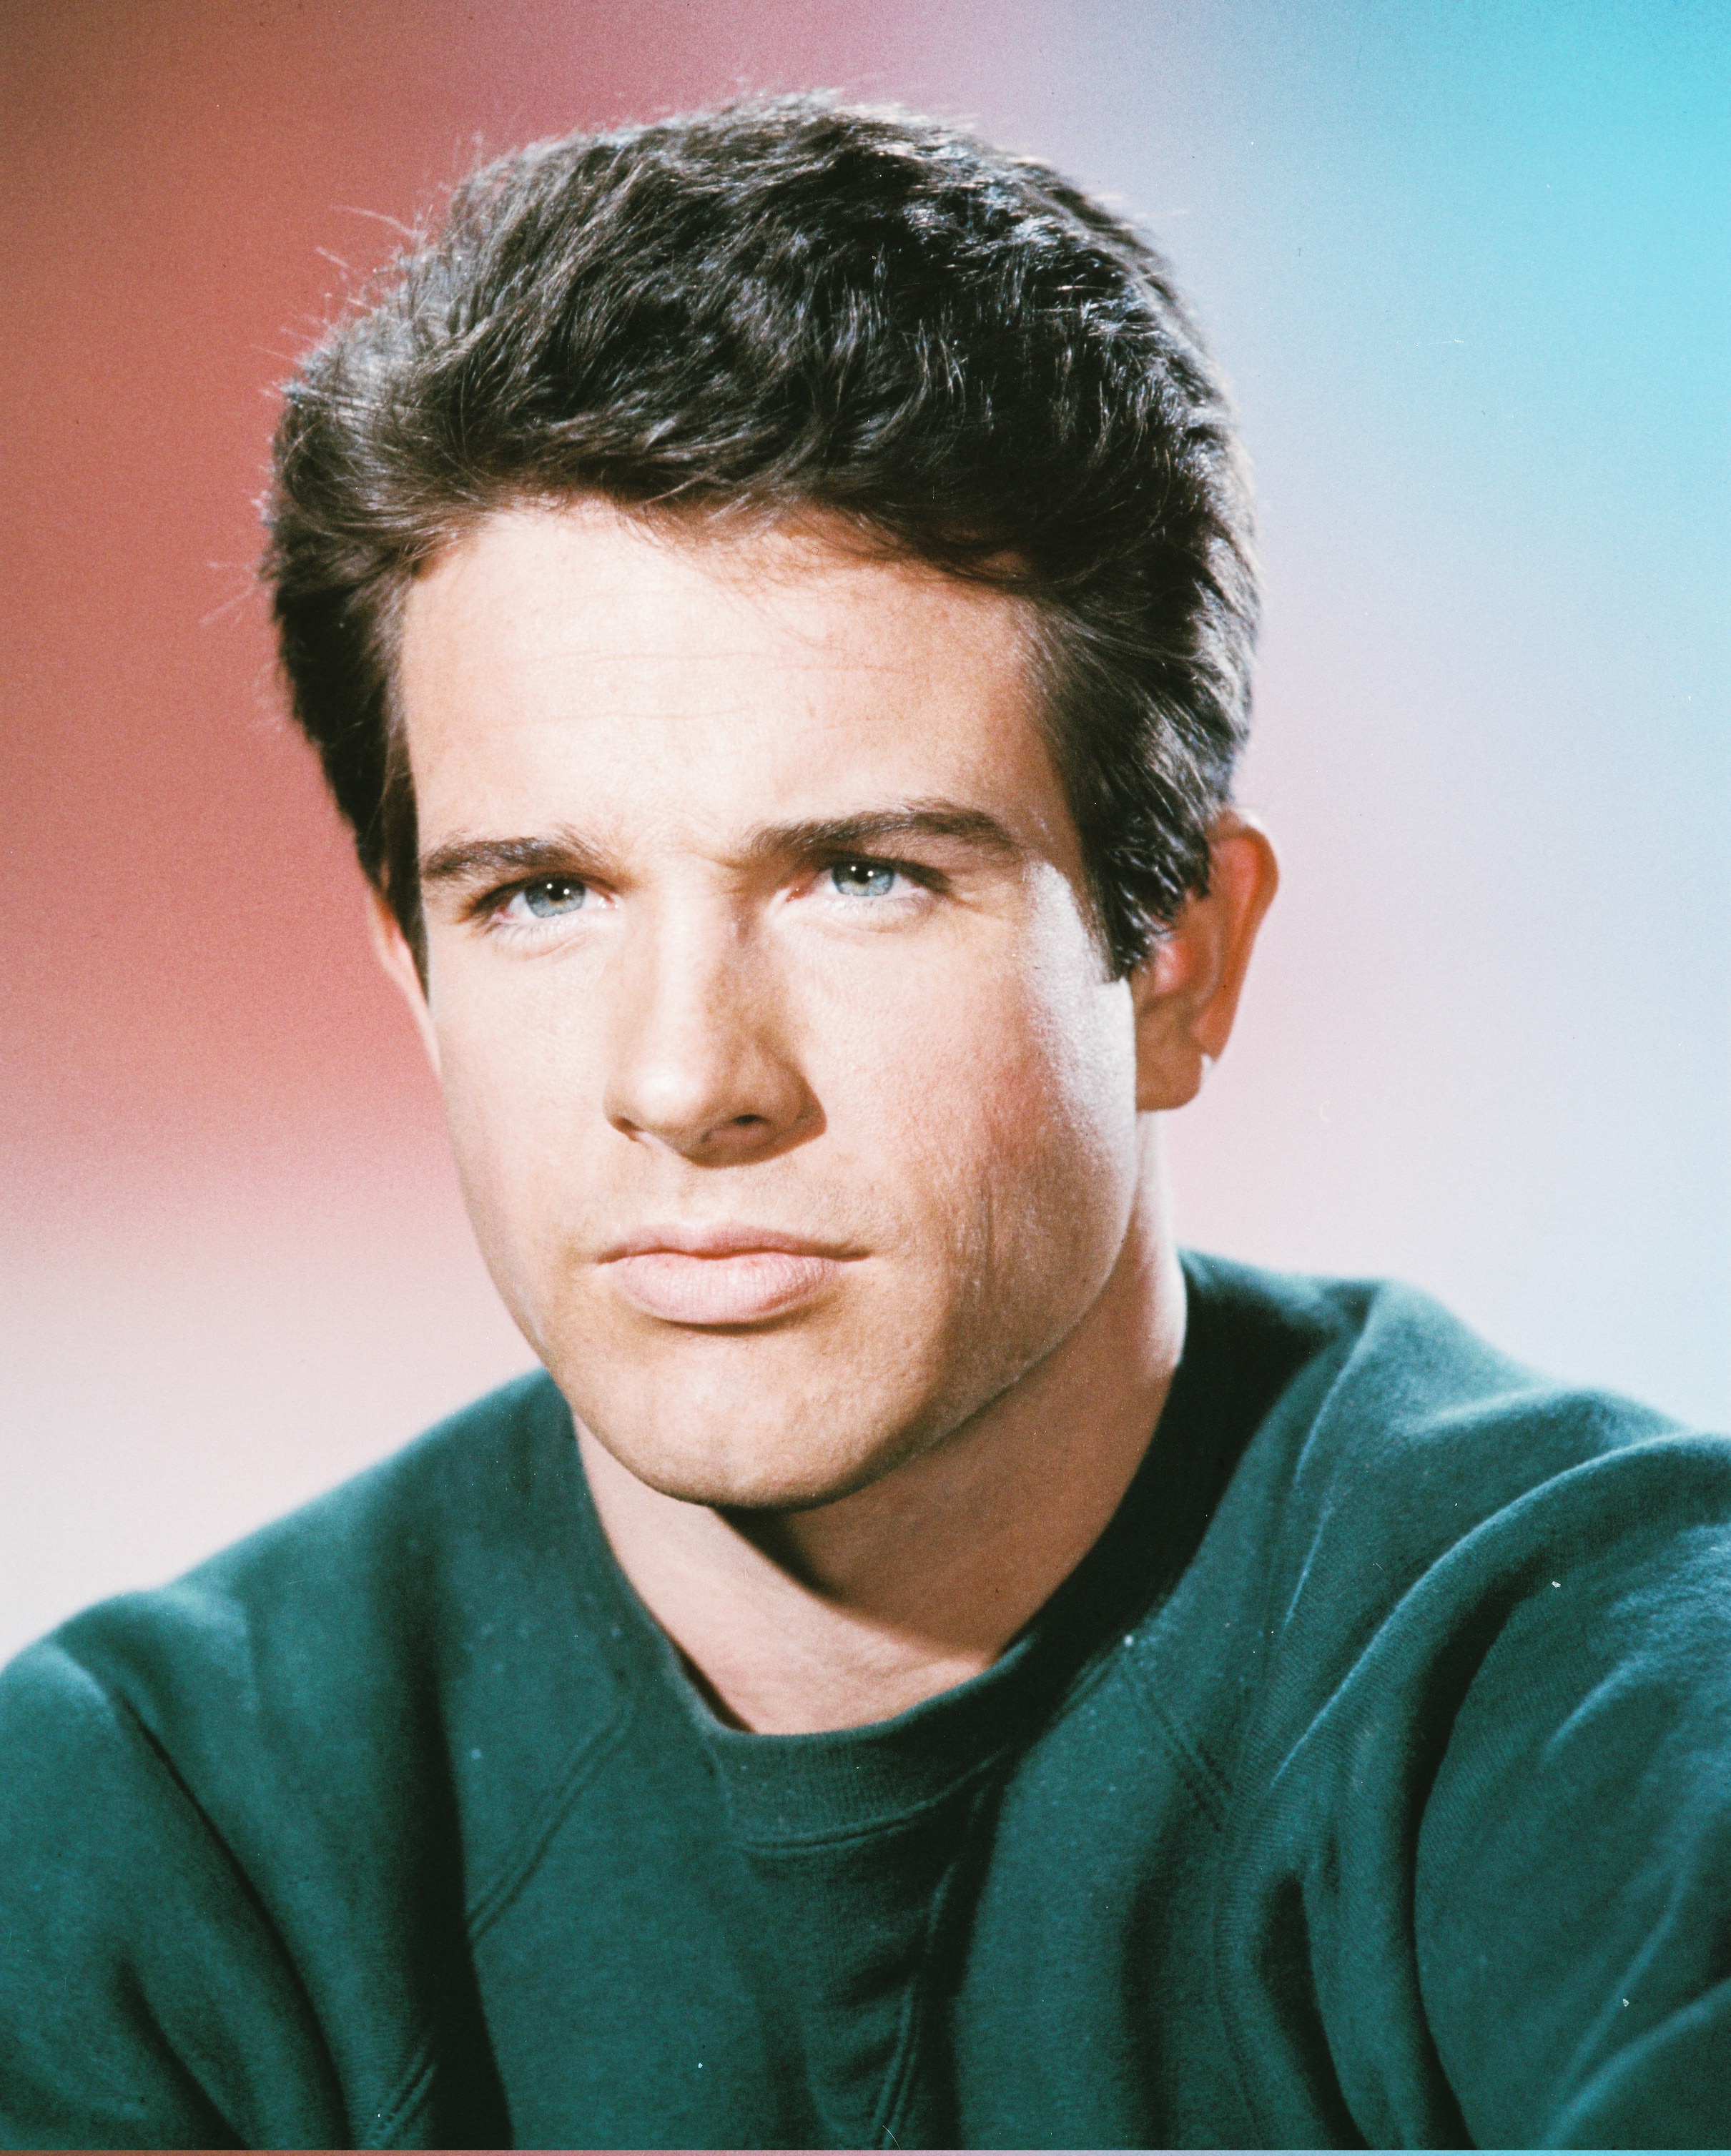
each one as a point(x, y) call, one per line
point(738, 1289)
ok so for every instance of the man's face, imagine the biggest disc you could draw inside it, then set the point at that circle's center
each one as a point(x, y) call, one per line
point(794, 1108)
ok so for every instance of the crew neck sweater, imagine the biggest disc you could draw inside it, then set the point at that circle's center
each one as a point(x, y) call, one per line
point(1369, 1781)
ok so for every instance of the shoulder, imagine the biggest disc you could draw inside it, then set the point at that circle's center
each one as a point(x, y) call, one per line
point(394, 1555)
point(1402, 1480)
point(1402, 1454)
point(1467, 1634)
point(377, 1614)
point(239, 1813)
point(233, 1823)
point(1379, 1390)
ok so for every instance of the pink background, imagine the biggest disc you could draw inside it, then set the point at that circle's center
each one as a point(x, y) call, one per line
point(1464, 265)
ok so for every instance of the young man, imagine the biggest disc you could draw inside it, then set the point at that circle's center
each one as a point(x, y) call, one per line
point(925, 1665)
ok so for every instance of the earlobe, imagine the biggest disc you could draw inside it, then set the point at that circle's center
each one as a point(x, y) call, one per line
point(1187, 989)
point(391, 947)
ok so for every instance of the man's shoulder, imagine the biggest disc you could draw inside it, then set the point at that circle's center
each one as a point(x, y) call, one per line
point(1404, 1480)
point(1454, 1652)
point(214, 1789)
point(376, 1596)
point(1382, 1445)
point(1371, 1377)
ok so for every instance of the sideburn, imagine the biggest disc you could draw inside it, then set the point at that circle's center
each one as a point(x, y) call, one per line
point(399, 869)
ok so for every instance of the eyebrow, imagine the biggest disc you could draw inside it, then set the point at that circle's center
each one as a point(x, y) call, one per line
point(878, 827)
point(471, 860)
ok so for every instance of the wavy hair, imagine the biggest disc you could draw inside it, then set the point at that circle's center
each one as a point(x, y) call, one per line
point(786, 305)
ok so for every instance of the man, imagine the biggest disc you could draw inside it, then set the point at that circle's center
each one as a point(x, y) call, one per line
point(925, 1665)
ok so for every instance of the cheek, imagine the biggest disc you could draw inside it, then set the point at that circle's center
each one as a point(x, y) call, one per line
point(1064, 1049)
point(1017, 1182)
point(1004, 1111)
point(519, 1099)
point(1061, 1110)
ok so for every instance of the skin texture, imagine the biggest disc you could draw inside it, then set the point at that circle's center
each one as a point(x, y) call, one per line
point(803, 1131)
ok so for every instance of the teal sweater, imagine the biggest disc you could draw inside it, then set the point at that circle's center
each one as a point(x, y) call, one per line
point(1370, 1780)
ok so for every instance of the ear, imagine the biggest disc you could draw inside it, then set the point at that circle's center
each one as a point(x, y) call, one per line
point(1186, 990)
point(390, 947)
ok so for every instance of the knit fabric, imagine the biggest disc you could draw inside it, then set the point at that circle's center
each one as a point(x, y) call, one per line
point(1369, 1781)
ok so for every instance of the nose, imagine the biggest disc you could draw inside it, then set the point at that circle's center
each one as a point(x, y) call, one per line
point(699, 1060)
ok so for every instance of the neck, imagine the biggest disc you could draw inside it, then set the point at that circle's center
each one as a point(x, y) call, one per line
point(851, 1612)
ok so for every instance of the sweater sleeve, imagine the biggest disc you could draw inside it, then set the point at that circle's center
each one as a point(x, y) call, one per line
point(145, 1998)
point(1573, 1887)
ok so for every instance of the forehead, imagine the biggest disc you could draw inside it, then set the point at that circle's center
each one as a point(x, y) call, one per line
point(576, 662)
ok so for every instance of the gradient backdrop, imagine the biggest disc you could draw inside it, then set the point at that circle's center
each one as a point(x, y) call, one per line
point(1467, 263)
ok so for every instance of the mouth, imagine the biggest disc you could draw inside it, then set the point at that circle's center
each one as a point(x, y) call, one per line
point(726, 1274)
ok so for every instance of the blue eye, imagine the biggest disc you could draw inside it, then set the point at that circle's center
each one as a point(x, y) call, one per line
point(862, 879)
point(553, 895)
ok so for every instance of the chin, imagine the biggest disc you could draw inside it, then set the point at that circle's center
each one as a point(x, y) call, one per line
point(787, 1419)
point(774, 1467)
point(736, 1439)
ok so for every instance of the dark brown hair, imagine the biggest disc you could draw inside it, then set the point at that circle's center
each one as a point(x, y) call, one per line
point(788, 305)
